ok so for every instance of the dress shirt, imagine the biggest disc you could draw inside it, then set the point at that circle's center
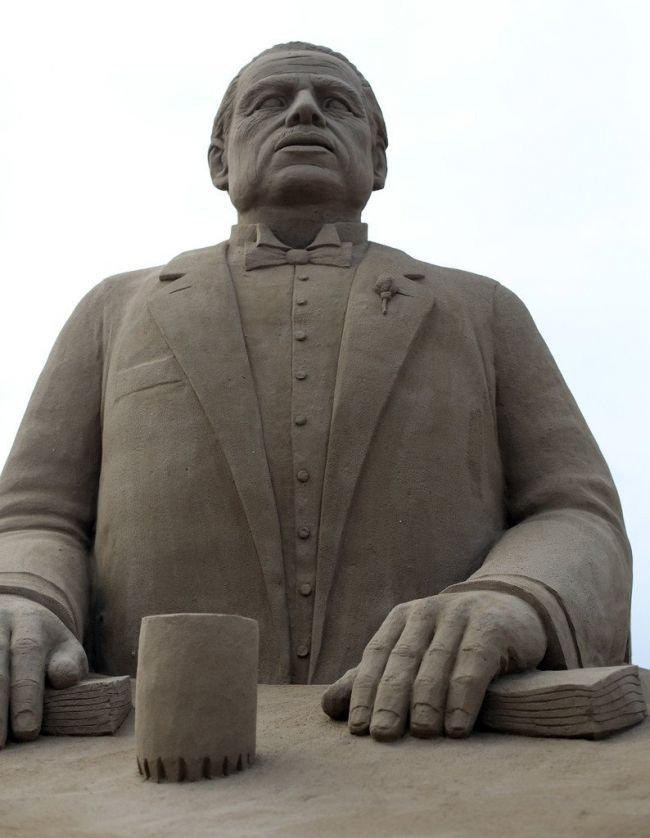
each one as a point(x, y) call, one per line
point(292, 318)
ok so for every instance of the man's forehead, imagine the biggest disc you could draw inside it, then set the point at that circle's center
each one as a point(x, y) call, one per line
point(298, 62)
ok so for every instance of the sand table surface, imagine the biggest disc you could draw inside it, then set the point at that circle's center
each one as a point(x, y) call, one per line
point(312, 778)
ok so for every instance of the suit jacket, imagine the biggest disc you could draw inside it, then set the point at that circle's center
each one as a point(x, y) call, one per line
point(457, 459)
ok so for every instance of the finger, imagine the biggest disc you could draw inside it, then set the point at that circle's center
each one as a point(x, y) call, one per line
point(476, 665)
point(67, 665)
point(393, 697)
point(371, 668)
point(28, 654)
point(335, 701)
point(4, 681)
point(431, 684)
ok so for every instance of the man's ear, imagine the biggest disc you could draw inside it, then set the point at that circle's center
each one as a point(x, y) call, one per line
point(380, 167)
point(218, 163)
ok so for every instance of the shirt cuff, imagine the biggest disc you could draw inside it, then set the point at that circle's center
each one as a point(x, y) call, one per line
point(40, 590)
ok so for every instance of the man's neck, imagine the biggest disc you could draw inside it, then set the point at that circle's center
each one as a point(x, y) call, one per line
point(296, 227)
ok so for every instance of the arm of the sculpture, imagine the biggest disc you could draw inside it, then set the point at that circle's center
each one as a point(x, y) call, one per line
point(48, 492)
point(48, 488)
point(566, 552)
point(554, 590)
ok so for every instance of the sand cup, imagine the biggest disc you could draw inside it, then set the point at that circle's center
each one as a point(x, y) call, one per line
point(196, 696)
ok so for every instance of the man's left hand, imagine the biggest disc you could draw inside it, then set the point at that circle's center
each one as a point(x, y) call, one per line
point(431, 662)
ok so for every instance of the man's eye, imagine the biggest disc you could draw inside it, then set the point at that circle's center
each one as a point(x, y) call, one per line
point(335, 104)
point(271, 102)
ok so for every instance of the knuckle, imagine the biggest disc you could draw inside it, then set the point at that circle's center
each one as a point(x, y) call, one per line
point(477, 650)
point(421, 621)
point(25, 644)
point(404, 650)
point(376, 647)
point(425, 683)
point(400, 611)
point(420, 609)
point(464, 680)
point(365, 681)
point(394, 680)
point(25, 683)
point(486, 657)
point(436, 650)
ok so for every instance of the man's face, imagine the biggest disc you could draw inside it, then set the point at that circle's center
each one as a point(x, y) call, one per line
point(301, 135)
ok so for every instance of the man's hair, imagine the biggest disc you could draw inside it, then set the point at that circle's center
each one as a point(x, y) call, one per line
point(223, 118)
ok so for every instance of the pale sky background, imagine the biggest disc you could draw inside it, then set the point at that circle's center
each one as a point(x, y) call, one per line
point(519, 148)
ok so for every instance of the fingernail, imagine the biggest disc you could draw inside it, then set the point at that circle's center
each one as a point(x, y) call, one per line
point(25, 720)
point(424, 716)
point(457, 723)
point(359, 717)
point(385, 724)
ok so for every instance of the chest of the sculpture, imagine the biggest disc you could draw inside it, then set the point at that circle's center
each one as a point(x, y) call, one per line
point(198, 510)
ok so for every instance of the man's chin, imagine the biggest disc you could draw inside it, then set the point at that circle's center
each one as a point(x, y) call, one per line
point(307, 183)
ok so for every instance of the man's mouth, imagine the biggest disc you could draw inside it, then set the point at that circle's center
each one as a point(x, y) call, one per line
point(303, 140)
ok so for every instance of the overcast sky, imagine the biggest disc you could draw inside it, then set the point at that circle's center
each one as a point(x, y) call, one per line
point(519, 147)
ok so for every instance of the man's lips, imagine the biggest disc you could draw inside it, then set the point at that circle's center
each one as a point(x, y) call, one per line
point(304, 140)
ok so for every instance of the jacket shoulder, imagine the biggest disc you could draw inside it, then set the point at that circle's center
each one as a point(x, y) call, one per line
point(116, 292)
point(118, 288)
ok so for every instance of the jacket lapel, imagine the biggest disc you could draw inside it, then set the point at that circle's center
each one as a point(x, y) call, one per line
point(373, 348)
point(196, 308)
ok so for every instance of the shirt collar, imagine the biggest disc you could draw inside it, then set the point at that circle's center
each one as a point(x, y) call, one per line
point(345, 231)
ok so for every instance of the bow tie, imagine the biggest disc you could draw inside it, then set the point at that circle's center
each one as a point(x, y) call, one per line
point(326, 249)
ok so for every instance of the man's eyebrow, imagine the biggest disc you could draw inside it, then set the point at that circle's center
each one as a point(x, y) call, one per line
point(335, 85)
point(274, 83)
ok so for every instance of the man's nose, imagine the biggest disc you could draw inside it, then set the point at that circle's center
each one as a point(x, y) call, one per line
point(304, 110)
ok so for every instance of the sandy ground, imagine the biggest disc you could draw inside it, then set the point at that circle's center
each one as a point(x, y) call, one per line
point(312, 778)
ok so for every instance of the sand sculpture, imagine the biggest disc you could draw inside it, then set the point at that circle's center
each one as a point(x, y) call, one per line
point(374, 457)
point(591, 703)
point(573, 703)
point(96, 706)
point(196, 696)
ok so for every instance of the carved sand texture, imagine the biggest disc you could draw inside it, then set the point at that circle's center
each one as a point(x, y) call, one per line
point(96, 706)
point(587, 703)
point(196, 696)
point(179, 769)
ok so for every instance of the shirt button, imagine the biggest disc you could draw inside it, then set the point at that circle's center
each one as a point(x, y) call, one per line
point(300, 420)
point(301, 375)
point(303, 475)
point(301, 301)
point(304, 532)
point(303, 650)
point(303, 277)
point(305, 589)
point(300, 335)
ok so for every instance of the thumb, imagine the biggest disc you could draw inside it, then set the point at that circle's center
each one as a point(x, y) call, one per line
point(335, 701)
point(67, 664)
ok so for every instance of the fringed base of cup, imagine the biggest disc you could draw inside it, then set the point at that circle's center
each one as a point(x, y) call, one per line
point(181, 769)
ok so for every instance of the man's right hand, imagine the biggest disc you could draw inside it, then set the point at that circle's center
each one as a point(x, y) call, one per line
point(33, 641)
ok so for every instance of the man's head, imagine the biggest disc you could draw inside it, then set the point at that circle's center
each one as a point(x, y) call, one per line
point(299, 126)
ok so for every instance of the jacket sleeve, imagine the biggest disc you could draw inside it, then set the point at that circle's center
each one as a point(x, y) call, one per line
point(48, 488)
point(565, 551)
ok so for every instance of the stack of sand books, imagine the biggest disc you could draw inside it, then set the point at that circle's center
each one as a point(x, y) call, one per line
point(96, 706)
point(588, 703)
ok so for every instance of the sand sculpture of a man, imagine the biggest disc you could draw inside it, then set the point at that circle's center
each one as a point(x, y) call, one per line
point(374, 457)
